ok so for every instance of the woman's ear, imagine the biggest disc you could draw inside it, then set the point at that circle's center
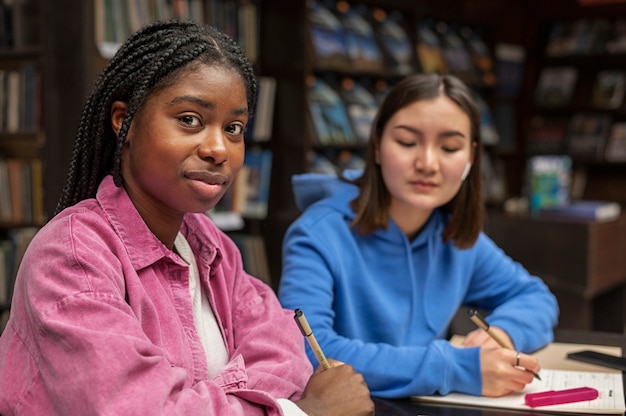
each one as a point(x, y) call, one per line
point(118, 112)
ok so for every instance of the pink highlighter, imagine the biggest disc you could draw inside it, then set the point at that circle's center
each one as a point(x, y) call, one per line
point(550, 397)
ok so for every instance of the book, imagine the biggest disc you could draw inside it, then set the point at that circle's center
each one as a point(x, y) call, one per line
point(488, 131)
point(549, 181)
point(361, 107)
point(616, 143)
point(587, 134)
point(395, 40)
point(360, 38)
point(327, 37)
point(546, 135)
point(429, 48)
point(260, 128)
point(608, 88)
point(458, 59)
point(509, 68)
point(591, 210)
point(328, 112)
point(555, 86)
point(480, 55)
point(258, 163)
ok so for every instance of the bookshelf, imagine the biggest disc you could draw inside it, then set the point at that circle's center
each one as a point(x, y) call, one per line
point(296, 142)
point(22, 137)
point(580, 114)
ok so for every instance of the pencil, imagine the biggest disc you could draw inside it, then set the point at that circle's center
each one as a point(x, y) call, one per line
point(308, 334)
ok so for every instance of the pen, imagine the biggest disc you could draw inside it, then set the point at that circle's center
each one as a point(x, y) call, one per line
point(308, 334)
point(481, 323)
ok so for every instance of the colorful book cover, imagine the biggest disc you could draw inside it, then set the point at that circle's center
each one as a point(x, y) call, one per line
point(549, 181)
point(616, 143)
point(329, 115)
point(480, 55)
point(395, 40)
point(360, 38)
point(587, 135)
point(361, 107)
point(259, 165)
point(429, 49)
point(327, 36)
point(458, 59)
point(608, 88)
point(555, 86)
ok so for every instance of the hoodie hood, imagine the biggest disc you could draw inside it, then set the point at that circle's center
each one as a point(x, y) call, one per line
point(309, 188)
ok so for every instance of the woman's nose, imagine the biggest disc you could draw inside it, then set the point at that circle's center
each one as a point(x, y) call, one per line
point(214, 146)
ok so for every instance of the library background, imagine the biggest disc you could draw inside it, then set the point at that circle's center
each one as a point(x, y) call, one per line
point(549, 77)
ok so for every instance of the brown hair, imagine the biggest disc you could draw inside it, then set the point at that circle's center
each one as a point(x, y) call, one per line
point(466, 209)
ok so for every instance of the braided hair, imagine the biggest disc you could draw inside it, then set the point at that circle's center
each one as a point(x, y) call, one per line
point(148, 61)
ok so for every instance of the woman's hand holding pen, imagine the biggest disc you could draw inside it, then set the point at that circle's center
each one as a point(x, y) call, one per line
point(499, 366)
point(504, 371)
point(337, 391)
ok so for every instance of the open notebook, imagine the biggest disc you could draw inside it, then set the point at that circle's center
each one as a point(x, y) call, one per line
point(557, 373)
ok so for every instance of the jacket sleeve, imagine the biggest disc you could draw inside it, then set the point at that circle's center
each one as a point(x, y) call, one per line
point(516, 301)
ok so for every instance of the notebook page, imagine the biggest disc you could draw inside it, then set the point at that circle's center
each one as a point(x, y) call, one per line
point(609, 386)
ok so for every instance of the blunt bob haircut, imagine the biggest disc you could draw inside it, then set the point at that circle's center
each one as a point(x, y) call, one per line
point(466, 210)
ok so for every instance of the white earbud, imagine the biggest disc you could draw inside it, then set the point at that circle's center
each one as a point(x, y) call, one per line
point(466, 171)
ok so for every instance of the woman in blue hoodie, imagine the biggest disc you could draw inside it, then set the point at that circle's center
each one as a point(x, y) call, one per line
point(381, 260)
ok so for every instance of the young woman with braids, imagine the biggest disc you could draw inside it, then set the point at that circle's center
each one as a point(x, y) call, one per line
point(130, 300)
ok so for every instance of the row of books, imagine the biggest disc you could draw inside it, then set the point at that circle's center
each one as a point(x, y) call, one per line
point(20, 99)
point(372, 39)
point(557, 86)
point(115, 20)
point(12, 249)
point(18, 23)
point(586, 36)
point(21, 191)
point(248, 196)
point(584, 136)
point(342, 110)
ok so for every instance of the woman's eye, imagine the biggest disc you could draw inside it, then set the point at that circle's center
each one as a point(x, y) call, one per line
point(235, 129)
point(191, 121)
point(405, 143)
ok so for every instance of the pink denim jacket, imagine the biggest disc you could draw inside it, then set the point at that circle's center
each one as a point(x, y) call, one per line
point(101, 323)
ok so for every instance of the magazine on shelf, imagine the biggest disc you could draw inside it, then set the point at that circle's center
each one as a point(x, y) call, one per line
point(361, 106)
point(480, 54)
point(361, 43)
point(488, 131)
point(555, 86)
point(395, 40)
point(429, 48)
point(327, 36)
point(458, 59)
point(608, 88)
point(587, 134)
point(616, 143)
point(546, 135)
point(328, 112)
point(549, 181)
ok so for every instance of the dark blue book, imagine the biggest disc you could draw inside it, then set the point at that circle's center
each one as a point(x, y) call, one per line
point(589, 210)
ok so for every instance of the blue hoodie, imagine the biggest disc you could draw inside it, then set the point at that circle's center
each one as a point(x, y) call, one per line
point(383, 303)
